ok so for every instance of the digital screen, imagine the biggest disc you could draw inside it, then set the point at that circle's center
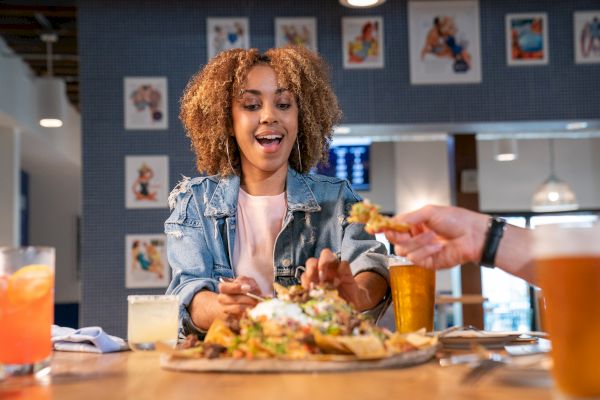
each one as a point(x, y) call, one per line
point(349, 161)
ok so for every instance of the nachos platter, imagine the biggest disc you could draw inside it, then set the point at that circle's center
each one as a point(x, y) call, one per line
point(300, 330)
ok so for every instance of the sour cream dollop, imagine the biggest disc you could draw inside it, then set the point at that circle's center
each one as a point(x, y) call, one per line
point(281, 310)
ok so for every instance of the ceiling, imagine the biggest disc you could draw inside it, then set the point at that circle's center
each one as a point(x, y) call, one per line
point(21, 26)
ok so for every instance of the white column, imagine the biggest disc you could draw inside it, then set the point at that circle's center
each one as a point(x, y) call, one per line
point(10, 186)
point(422, 174)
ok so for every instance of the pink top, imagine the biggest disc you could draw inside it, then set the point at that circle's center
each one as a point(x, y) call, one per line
point(259, 220)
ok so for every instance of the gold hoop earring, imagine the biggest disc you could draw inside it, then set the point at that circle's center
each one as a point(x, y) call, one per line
point(229, 159)
point(299, 156)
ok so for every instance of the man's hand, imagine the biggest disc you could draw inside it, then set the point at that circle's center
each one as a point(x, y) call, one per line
point(440, 236)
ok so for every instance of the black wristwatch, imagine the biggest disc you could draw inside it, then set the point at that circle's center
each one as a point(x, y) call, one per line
point(494, 233)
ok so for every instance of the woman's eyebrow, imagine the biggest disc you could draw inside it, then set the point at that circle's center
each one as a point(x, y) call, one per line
point(258, 92)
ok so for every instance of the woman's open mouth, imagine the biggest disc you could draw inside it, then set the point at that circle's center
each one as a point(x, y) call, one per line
point(270, 143)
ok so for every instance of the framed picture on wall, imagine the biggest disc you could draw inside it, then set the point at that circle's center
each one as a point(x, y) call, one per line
point(146, 261)
point(527, 39)
point(586, 38)
point(226, 33)
point(444, 42)
point(146, 103)
point(146, 181)
point(298, 31)
point(362, 42)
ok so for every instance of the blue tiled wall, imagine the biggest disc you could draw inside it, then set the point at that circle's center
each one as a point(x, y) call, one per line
point(158, 38)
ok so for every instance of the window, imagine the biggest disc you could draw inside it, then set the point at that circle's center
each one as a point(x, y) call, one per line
point(509, 306)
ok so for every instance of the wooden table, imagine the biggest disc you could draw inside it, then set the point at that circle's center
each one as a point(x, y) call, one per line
point(129, 375)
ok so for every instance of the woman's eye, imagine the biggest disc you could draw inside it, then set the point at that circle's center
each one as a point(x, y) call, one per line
point(284, 106)
point(251, 107)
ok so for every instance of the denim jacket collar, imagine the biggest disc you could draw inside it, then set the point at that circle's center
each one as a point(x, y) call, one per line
point(224, 199)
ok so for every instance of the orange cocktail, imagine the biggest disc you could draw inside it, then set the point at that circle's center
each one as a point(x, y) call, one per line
point(26, 307)
point(568, 270)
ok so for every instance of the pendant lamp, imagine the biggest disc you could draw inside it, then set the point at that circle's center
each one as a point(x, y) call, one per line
point(51, 91)
point(505, 150)
point(361, 3)
point(554, 194)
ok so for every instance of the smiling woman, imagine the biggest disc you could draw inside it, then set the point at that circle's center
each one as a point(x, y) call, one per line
point(208, 103)
point(260, 122)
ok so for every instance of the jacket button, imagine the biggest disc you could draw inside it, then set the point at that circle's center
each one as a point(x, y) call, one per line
point(286, 262)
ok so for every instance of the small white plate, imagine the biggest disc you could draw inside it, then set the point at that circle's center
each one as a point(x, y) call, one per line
point(468, 338)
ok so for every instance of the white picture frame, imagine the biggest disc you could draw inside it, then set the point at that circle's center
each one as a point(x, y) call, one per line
point(146, 181)
point(226, 33)
point(586, 25)
point(363, 42)
point(146, 103)
point(296, 31)
point(444, 42)
point(526, 39)
point(146, 263)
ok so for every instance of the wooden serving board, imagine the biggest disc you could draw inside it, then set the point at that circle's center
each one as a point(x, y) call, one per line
point(328, 364)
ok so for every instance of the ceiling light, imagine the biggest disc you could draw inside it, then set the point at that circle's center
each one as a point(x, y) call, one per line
point(554, 194)
point(50, 101)
point(576, 125)
point(505, 149)
point(361, 3)
point(51, 90)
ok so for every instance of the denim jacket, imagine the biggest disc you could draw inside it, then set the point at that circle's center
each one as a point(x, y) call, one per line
point(201, 233)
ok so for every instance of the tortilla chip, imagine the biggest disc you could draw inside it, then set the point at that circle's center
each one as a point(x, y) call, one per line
point(364, 347)
point(280, 289)
point(330, 344)
point(219, 333)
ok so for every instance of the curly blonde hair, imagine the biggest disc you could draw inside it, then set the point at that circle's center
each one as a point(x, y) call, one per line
point(207, 100)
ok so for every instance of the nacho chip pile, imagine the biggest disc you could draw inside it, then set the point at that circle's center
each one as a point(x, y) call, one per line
point(302, 325)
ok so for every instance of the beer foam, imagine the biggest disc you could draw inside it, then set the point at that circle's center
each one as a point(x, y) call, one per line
point(566, 239)
point(394, 260)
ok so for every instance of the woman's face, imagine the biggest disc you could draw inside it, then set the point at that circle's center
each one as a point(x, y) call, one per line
point(265, 123)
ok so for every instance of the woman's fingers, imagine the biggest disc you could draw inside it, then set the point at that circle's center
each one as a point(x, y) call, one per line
point(310, 277)
point(238, 286)
point(345, 275)
point(240, 299)
point(235, 309)
point(328, 266)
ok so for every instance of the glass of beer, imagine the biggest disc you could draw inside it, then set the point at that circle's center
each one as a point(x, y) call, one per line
point(26, 309)
point(568, 269)
point(413, 294)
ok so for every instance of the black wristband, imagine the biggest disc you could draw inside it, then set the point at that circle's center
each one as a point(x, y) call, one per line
point(494, 233)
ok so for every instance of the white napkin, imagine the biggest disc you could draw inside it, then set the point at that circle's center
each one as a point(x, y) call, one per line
point(89, 340)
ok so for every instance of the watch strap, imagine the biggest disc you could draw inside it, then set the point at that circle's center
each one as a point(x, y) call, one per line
point(493, 236)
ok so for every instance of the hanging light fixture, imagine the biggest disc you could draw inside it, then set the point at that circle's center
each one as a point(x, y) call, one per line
point(50, 90)
point(505, 150)
point(553, 194)
point(361, 3)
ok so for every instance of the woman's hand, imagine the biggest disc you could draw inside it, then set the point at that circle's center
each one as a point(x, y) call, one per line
point(328, 269)
point(232, 301)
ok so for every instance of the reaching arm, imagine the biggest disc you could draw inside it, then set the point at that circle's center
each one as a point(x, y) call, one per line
point(444, 236)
